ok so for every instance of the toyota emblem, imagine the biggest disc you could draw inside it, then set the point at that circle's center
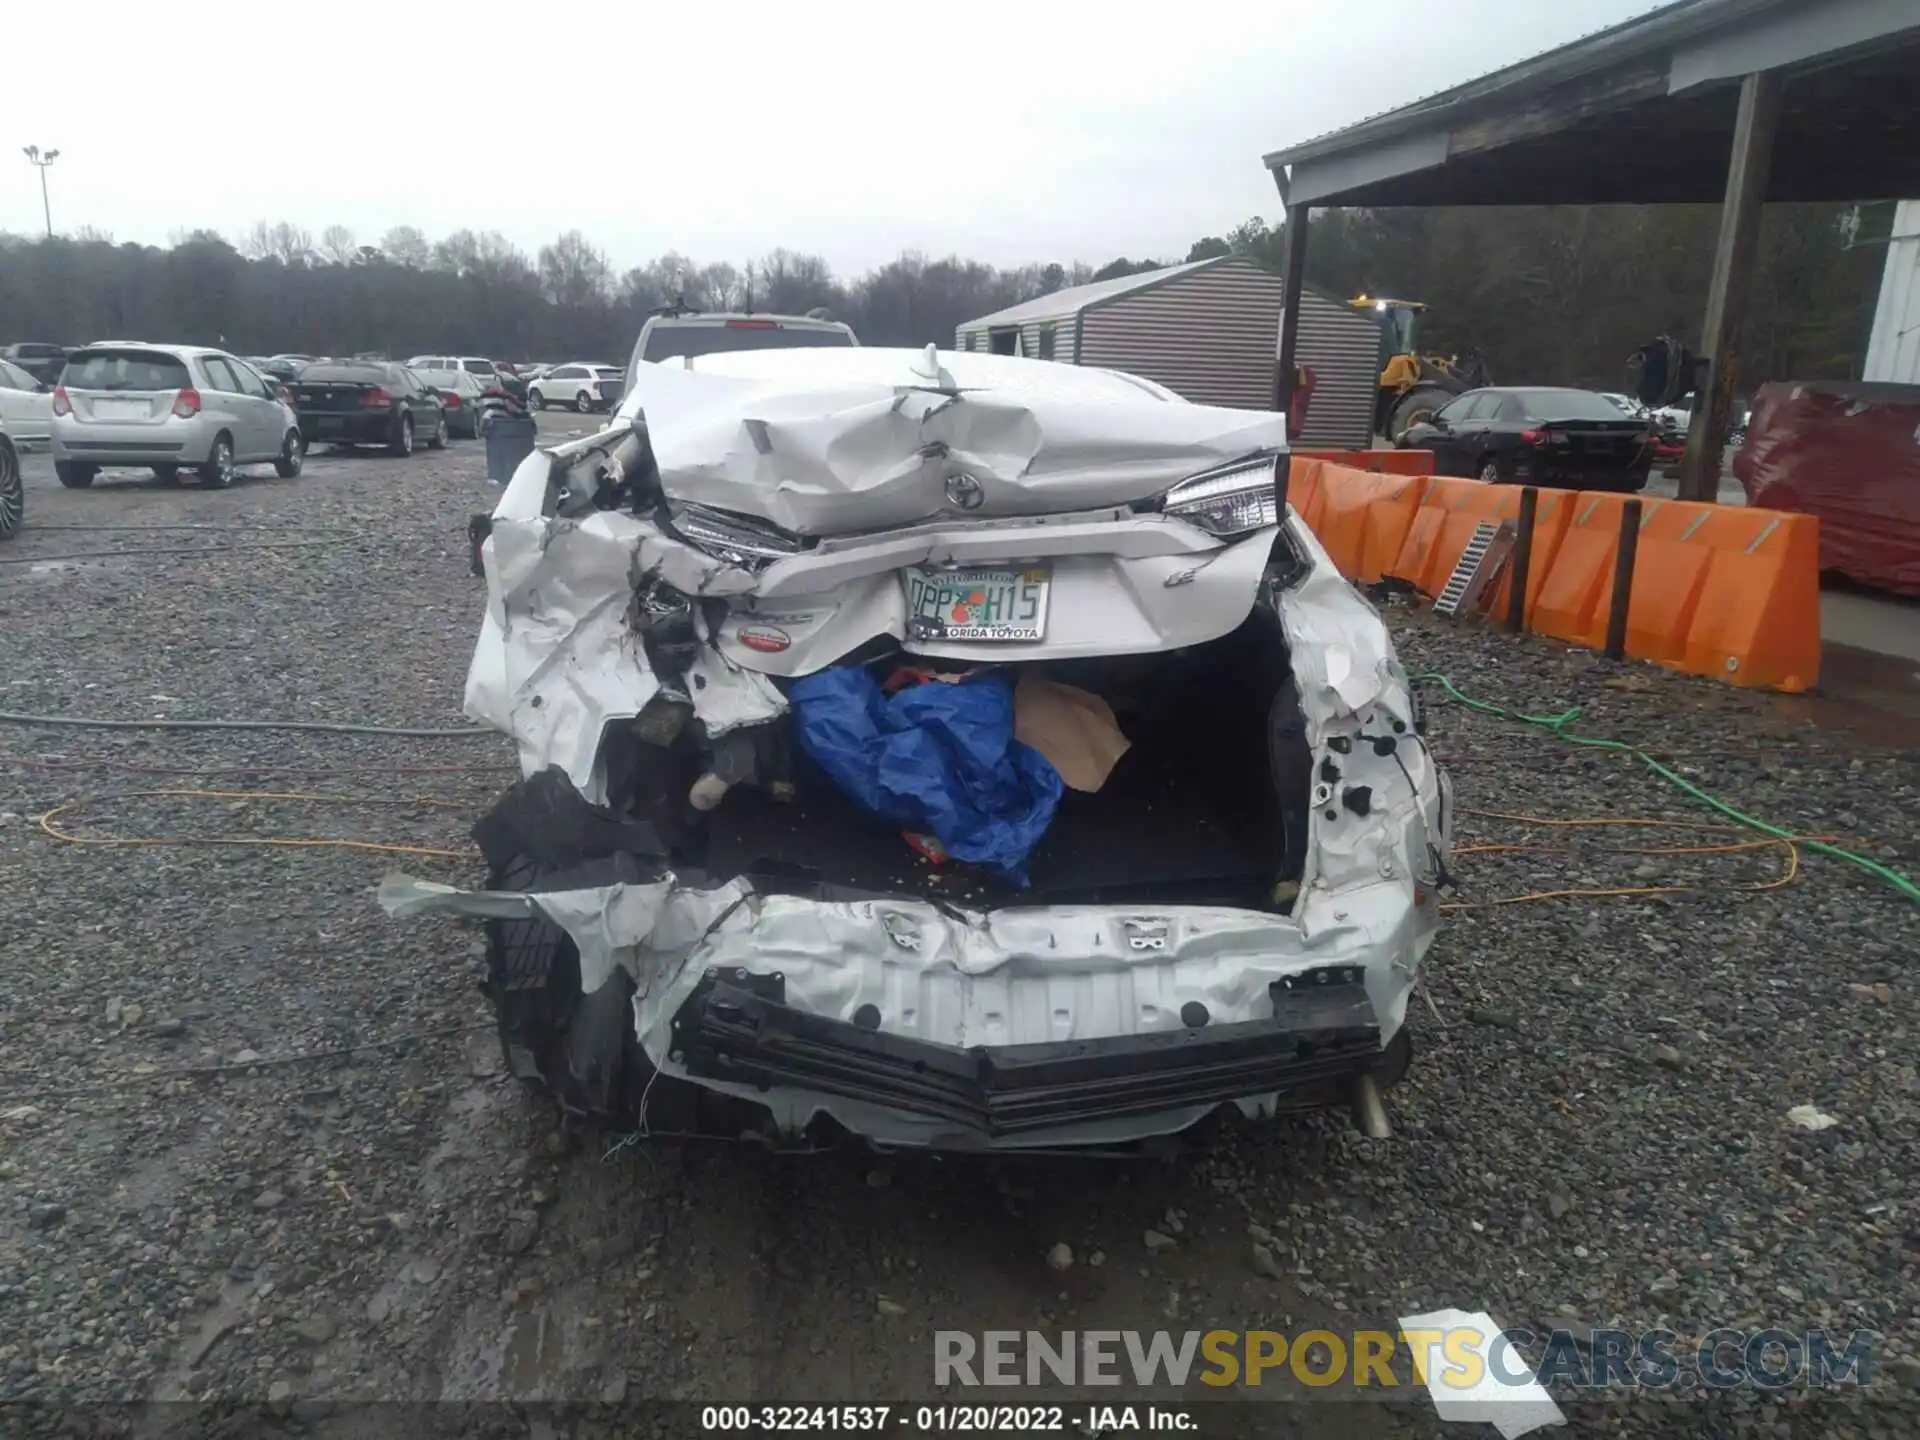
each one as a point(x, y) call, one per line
point(964, 492)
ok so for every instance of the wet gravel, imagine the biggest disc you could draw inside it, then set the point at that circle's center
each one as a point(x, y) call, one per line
point(255, 1143)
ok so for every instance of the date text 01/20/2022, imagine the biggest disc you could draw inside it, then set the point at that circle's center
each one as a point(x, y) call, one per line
point(942, 1419)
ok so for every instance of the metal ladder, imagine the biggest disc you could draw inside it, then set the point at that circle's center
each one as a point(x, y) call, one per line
point(1486, 552)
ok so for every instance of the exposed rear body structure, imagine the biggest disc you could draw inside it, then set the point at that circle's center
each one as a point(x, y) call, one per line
point(955, 750)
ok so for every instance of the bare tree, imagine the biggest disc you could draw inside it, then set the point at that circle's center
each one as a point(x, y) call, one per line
point(405, 245)
point(456, 252)
point(664, 279)
point(572, 272)
point(289, 244)
point(640, 288)
point(718, 287)
point(789, 283)
point(337, 245)
point(499, 260)
point(257, 243)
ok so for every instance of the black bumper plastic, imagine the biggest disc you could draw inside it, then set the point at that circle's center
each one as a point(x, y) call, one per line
point(1322, 1036)
point(336, 427)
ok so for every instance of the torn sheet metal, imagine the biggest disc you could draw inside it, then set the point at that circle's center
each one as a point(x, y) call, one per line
point(726, 695)
point(946, 975)
point(558, 657)
point(644, 929)
point(959, 977)
point(849, 449)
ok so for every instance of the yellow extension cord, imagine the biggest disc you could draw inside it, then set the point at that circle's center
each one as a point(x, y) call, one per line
point(49, 824)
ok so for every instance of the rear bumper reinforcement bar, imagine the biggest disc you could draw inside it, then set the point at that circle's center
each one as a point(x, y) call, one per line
point(1322, 1036)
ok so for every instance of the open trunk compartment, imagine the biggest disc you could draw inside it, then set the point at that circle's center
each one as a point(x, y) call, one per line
point(1207, 806)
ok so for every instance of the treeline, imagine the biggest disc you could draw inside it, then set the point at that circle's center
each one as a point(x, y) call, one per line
point(1547, 295)
point(1564, 295)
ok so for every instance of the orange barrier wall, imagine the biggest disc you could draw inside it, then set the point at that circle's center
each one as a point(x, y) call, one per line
point(1577, 587)
point(1444, 523)
point(1361, 518)
point(1385, 462)
point(1720, 590)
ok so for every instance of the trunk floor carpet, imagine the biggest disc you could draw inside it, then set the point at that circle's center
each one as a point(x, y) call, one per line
point(1142, 836)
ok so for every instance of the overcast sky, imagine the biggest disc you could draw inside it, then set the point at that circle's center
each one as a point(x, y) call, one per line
point(1010, 132)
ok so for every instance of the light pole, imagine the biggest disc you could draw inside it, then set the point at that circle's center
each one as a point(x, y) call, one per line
point(40, 161)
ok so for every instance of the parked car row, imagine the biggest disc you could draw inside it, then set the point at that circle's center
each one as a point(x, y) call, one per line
point(199, 409)
point(175, 408)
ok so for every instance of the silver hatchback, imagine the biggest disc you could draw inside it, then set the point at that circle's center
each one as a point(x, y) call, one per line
point(169, 408)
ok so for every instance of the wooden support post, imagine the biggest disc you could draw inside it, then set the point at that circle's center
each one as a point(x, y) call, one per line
point(1522, 571)
point(1296, 279)
point(1621, 601)
point(1747, 173)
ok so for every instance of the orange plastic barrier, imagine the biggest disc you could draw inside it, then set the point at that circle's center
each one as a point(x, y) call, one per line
point(1385, 462)
point(1448, 512)
point(1577, 587)
point(1359, 517)
point(1720, 590)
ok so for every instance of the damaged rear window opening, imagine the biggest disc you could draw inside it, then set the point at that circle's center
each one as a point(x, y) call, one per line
point(950, 751)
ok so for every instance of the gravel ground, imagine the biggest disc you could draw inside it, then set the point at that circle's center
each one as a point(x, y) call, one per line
point(255, 1144)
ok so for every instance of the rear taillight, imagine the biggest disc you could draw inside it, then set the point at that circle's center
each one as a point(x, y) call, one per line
point(453, 401)
point(61, 404)
point(752, 325)
point(186, 404)
point(376, 399)
point(1533, 437)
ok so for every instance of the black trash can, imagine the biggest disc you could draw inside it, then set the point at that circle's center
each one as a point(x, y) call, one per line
point(509, 441)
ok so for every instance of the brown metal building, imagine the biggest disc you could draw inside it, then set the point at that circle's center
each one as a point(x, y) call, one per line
point(1209, 331)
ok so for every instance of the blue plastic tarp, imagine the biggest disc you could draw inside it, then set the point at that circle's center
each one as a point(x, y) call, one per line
point(938, 758)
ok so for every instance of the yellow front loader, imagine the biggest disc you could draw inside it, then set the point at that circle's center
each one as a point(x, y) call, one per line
point(1412, 385)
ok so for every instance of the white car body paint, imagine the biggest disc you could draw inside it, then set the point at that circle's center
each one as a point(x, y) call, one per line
point(26, 407)
point(856, 446)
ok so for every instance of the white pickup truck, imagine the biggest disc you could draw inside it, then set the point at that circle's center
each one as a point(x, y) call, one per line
point(678, 337)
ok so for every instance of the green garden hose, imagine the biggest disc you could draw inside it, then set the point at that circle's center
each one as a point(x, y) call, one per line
point(1561, 726)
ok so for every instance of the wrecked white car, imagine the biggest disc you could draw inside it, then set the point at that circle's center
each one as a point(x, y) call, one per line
point(949, 750)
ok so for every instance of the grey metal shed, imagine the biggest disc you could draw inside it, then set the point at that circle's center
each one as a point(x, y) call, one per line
point(1208, 330)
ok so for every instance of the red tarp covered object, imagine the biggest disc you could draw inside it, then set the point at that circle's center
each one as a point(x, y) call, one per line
point(1849, 454)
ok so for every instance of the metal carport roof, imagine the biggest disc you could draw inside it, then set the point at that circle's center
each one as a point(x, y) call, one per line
point(1739, 101)
point(1643, 113)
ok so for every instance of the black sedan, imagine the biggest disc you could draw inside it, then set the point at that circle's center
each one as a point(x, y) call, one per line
point(368, 402)
point(1536, 435)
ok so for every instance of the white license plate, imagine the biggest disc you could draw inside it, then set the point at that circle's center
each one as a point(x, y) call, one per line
point(977, 604)
point(121, 410)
